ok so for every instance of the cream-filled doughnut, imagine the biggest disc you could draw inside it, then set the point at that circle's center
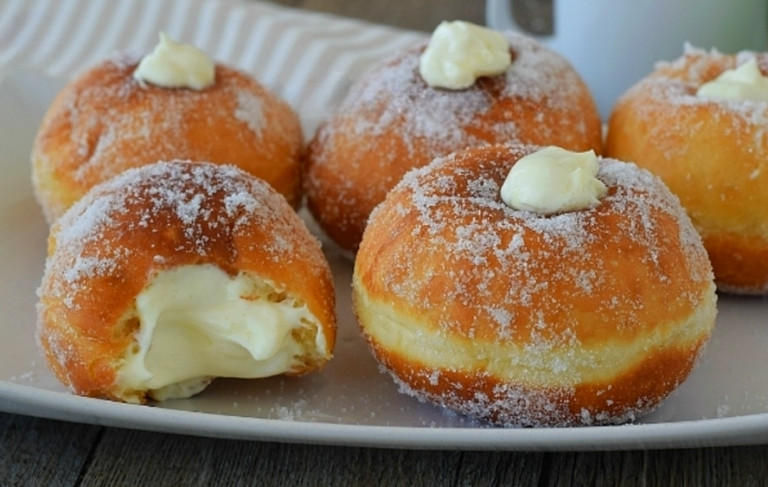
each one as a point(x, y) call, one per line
point(711, 149)
point(393, 120)
point(590, 314)
point(108, 119)
point(174, 273)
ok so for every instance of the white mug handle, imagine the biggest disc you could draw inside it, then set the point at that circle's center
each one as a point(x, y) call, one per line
point(534, 18)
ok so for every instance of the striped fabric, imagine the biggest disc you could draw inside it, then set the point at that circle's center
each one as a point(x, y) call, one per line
point(308, 58)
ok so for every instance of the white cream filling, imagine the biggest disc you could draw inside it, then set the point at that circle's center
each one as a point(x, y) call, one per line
point(175, 65)
point(553, 180)
point(743, 83)
point(197, 322)
point(460, 52)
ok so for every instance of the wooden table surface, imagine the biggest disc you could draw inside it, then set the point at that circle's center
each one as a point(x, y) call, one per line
point(42, 452)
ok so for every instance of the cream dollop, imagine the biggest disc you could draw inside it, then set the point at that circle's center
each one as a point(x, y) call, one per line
point(197, 322)
point(553, 180)
point(176, 65)
point(460, 52)
point(746, 82)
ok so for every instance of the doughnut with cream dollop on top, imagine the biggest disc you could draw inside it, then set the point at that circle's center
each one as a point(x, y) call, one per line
point(392, 121)
point(105, 121)
point(711, 152)
point(586, 317)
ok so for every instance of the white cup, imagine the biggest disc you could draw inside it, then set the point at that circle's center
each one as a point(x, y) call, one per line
point(614, 43)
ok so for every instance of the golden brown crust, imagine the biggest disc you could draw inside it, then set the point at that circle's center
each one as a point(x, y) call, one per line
point(588, 317)
point(105, 122)
point(712, 154)
point(105, 250)
point(391, 121)
point(588, 403)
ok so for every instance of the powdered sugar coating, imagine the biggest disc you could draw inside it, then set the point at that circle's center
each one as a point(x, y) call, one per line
point(511, 406)
point(442, 116)
point(250, 109)
point(534, 305)
point(90, 239)
point(471, 226)
point(167, 114)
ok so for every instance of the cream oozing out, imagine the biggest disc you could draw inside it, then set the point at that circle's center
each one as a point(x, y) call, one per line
point(95, 243)
point(196, 322)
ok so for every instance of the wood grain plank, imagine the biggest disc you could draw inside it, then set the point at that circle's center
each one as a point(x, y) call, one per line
point(710, 467)
point(125, 457)
point(42, 452)
point(695, 467)
point(596, 469)
point(37, 451)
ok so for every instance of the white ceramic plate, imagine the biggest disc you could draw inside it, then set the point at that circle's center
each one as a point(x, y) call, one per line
point(350, 402)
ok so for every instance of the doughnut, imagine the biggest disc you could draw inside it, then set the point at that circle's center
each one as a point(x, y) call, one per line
point(712, 153)
point(584, 317)
point(391, 121)
point(174, 273)
point(105, 121)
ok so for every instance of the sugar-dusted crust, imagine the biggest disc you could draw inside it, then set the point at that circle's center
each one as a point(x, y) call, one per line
point(105, 122)
point(107, 247)
point(713, 154)
point(587, 317)
point(392, 121)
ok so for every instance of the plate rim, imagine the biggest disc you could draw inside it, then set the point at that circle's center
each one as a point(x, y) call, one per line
point(727, 431)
